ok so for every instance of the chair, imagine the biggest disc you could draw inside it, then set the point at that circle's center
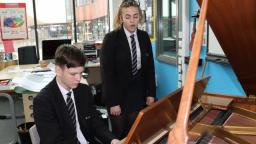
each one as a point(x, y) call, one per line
point(27, 55)
point(12, 109)
point(35, 139)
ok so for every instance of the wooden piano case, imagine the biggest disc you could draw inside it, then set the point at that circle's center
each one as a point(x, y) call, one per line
point(228, 119)
point(191, 116)
point(153, 123)
point(231, 119)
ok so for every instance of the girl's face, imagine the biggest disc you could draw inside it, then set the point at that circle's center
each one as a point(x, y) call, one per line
point(130, 18)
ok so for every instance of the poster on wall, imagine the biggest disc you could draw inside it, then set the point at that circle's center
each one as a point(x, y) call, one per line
point(13, 21)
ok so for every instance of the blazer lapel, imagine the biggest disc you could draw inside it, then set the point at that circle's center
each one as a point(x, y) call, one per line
point(142, 46)
point(125, 45)
point(61, 104)
point(80, 108)
point(82, 111)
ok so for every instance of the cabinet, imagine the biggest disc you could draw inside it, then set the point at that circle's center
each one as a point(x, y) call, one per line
point(28, 106)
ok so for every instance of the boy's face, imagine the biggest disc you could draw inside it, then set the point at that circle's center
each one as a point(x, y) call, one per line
point(130, 17)
point(69, 78)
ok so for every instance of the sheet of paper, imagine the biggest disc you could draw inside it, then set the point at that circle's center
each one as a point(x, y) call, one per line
point(34, 81)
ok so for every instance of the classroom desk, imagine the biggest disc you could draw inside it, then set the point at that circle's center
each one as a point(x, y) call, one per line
point(7, 73)
point(19, 71)
point(14, 71)
point(93, 70)
point(90, 64)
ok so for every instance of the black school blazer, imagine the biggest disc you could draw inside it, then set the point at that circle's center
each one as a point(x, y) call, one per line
point(116, 66)
point(53, 121)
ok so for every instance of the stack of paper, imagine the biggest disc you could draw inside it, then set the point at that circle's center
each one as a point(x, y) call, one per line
point(34, 81)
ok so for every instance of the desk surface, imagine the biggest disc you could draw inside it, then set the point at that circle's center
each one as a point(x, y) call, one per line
point(16, 71)
point(19, 71)
point(92, 64)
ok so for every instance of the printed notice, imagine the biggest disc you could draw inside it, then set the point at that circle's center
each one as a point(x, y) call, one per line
point(13, 22)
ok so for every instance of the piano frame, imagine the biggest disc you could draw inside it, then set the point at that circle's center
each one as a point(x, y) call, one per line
point(234, 25)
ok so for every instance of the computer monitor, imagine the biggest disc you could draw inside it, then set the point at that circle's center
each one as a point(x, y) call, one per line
point(50, 46)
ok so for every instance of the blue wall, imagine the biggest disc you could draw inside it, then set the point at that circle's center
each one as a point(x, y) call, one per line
point(167, 79)
point(223, 79)
point(166, 76)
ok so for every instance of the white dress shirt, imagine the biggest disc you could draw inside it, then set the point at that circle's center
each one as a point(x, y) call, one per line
point(80, 135)
point(128, 34)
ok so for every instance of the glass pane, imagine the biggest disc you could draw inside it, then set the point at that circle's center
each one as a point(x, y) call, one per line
point(169, 28)
point(54, 20)
point(149, 18)
point(92, 20)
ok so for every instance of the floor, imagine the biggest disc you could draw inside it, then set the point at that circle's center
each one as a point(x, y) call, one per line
point(7, 128)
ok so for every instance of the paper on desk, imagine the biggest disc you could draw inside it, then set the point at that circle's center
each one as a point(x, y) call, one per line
point(17, 70)
point(34, 81)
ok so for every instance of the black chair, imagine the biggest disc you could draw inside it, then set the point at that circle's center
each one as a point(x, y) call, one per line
point(27, 55)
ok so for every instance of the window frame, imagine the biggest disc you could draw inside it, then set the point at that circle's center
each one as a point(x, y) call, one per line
point(160, 53)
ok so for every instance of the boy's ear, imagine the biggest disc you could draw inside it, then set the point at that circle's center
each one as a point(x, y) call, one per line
point(57, 69)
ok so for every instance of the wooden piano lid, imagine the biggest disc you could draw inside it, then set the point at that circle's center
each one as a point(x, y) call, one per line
point(234, 25)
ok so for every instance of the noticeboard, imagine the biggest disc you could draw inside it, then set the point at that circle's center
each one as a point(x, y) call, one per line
point(13, 21)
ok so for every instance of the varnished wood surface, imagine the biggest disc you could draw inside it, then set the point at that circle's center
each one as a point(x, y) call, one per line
point(233, 22)
point(154, 118)
point(179, 134)
point(234, 25)
point(248, 106)
point(160, 117)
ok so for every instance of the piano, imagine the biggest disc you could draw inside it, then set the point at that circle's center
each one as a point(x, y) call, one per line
point(189, 115)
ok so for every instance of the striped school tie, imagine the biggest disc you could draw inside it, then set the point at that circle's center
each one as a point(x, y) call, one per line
point(134, 55)
point(71, 112)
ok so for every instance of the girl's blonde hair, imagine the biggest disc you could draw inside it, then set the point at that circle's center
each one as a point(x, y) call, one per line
point(126, 4)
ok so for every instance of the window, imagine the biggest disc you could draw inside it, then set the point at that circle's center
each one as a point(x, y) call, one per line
point(54, 21)
point(167, 22)
point(147, 9)
point(92, 20)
